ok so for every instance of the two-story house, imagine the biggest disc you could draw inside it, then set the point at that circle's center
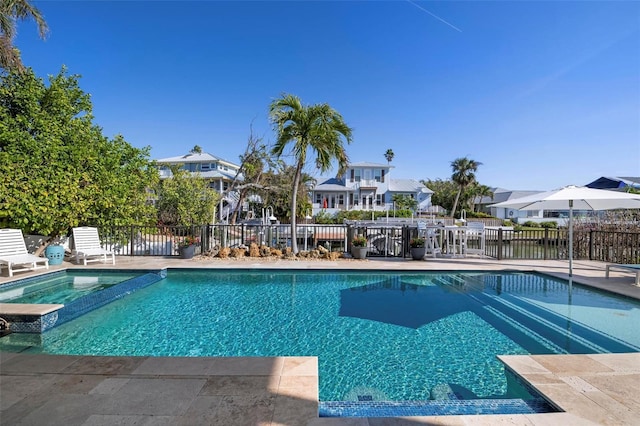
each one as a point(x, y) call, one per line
point(220, 174)
point(366, 186)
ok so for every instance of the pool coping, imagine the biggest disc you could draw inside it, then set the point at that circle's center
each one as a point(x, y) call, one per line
point(55, 389)
point(38, 309)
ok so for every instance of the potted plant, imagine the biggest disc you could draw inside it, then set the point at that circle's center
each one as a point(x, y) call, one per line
point(359, 247)
point(418, 249)
point(187, 246)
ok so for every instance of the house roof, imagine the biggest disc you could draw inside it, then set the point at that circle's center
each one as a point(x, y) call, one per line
point(212, 174)
point(217, 174)
point(407, 185)
point(192, 157)
point(331, 185)
point(501, 194)
point(368, 164)
point(605, 182)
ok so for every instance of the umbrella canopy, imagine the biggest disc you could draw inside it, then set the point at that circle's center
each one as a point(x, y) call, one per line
point(574, 197)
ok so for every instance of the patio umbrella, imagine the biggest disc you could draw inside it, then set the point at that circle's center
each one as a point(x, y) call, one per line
point(574, 197)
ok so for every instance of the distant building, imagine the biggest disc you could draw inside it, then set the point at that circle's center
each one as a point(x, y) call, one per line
point(220, 174)
point(615, 183)
point(500, 195)
point(366, 186)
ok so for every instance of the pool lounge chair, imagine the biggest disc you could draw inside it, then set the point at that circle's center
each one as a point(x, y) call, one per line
point(14, 254)
point(86, 242)
point(627, 268)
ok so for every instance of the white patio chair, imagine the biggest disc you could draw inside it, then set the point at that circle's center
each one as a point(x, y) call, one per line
point(432, 242)
point(431, 239)
point(476, 234)
point(14, 254)
point(86, 242)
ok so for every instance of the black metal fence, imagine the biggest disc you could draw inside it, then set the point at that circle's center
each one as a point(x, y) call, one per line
point(165, 241)
point(384, 240)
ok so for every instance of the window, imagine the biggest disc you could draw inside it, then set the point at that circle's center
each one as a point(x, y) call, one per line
point(205, 167)
point(379, 199)
point(318, 198)
point(341, 199)
point(358, 175)
point(377, 175)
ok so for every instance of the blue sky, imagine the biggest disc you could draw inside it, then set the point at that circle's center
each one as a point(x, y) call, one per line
point(544, 94)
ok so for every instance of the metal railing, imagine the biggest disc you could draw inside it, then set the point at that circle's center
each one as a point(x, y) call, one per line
point(384, 240)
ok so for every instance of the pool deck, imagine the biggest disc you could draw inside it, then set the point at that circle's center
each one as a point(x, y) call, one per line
point(83, 390)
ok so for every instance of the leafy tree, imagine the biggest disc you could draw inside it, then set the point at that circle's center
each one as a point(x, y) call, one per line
point(463, 175)
point(319, 128)
point(404, 202)
point(389, 155)
point(444, 192)
point(476, 192)
point(57, 170)
point(197, 149)
point(277, 191)
point(12, 11)
point(185, 199)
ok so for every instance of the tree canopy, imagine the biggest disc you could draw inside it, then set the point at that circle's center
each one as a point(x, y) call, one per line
point(464, 175)
point(388, 155)
point(57, 169)
point(318, 128)
point(12, 11)
point(404, 202)
point(444, 192)
point(185, 200)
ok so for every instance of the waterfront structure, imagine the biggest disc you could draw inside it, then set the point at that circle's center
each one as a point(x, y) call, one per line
point(220, 174)
point(366, 186)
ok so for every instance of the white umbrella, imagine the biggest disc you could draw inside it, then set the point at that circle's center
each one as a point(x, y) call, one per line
point(574, 197)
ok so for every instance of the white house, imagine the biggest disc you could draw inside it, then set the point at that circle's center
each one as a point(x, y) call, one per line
point(366, 186)
point(220, 174)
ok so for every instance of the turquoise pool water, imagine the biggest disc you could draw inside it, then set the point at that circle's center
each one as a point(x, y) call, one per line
point(385, 336)
point(60, 287)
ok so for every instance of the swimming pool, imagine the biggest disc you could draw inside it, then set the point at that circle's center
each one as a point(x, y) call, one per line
point(378, 336)
point(61, 287)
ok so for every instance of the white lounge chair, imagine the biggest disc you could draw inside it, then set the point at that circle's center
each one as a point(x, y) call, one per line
point(86, 242)
point(14, 254)
point(625, 267)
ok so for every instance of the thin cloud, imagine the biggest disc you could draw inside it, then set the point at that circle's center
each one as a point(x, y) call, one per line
point(576, 63)
point(435, 16)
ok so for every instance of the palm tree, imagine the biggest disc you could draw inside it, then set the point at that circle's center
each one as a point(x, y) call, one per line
point(12, 11)
point(477, 193)
point(317, 127)
point(389, 155)
point(463, 175)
